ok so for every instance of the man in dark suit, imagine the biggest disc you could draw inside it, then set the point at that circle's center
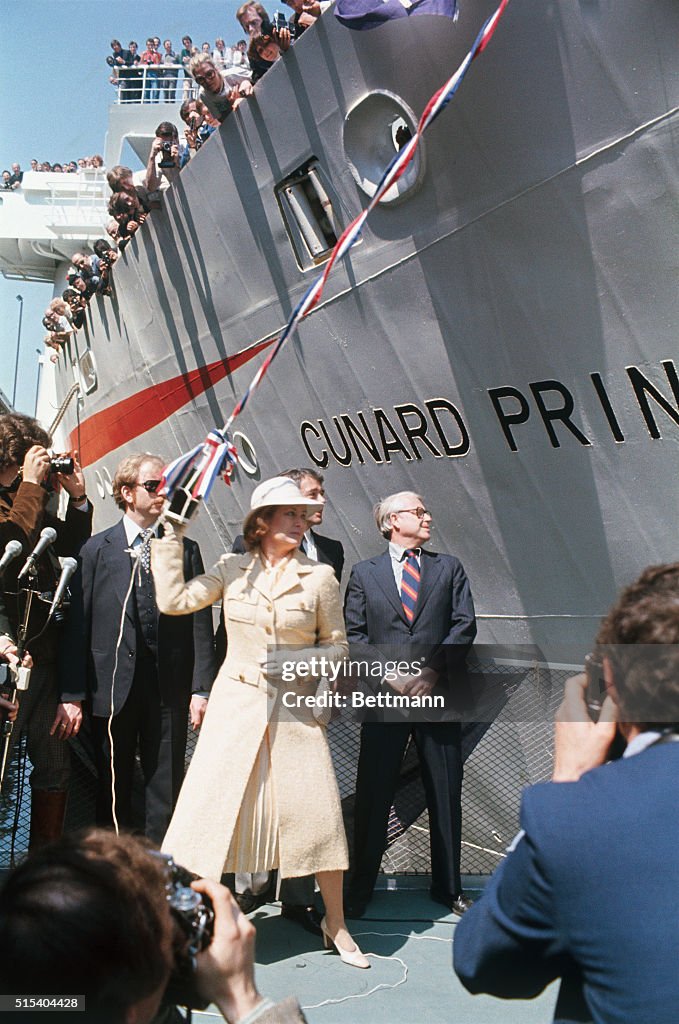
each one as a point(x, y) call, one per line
point(297, 894)
point(417, 603)
point(588, 892)
point(161, 668)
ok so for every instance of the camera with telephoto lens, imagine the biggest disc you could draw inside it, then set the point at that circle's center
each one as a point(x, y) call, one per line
point(62, 464)
point(278, 21)
point(193, 917)
point(111, 62)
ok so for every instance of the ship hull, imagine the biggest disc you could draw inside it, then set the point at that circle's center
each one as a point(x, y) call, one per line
point(502, 340)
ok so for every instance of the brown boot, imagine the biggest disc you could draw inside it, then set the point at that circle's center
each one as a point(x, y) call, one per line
point(48, 809)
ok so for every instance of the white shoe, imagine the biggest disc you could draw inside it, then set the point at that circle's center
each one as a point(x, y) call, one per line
point(354, 957)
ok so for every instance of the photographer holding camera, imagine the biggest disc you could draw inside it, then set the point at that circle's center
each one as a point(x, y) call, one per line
point(27, 472)
point(99, 908)
point(167, 157)
point(585, 893)
point(197, 131)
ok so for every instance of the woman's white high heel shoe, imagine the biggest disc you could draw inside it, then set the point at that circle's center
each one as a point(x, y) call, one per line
point(354, 957)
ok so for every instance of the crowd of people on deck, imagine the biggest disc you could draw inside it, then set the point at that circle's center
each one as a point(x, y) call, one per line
point(135, 657)
point(153, 75)
point(224, 77)
point(13, 179)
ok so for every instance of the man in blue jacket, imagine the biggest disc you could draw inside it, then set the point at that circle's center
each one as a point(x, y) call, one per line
point(589, 890)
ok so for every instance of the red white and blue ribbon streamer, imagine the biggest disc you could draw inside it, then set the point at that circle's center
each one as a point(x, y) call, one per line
point(352, 233)
point(224, 450)
point(197, 471)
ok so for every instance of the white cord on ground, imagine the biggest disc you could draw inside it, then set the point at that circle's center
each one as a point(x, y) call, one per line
point(371, 991)
point(378, 956)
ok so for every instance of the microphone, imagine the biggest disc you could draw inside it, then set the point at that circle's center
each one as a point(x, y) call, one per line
point(13, 549)
point(47, 536)
point(68, 567)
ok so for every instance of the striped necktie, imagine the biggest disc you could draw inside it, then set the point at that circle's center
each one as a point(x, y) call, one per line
point(410, 584)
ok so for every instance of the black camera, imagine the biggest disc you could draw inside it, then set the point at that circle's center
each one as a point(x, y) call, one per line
point(62, 464)
point(278, 21)
point(202, 135)
point(167, 160)
point(111, 62)
point(193, 918)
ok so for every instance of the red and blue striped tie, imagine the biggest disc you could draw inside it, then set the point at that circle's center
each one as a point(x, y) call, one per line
point(410, 584)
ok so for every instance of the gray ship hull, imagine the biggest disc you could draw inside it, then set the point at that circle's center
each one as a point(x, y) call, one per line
point(502, 340)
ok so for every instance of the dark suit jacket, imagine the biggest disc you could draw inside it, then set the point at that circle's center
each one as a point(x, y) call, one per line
point(186, 661)
point(444, 625)
point(22, 517)
point(590, 890)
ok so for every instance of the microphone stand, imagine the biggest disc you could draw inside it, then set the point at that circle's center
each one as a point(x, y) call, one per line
point(20, 676)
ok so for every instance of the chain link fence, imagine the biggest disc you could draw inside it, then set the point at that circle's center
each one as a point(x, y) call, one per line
point(508, 748)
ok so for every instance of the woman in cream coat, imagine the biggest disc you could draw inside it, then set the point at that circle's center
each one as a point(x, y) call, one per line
point(260, 792)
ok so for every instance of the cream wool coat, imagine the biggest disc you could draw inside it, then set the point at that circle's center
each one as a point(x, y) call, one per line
point(303, 609)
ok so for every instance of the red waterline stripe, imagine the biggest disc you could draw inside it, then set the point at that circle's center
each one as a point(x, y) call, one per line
point(121, 423)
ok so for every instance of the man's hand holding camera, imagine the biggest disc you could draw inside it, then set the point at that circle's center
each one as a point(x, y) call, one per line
point(74, 482)
point(225, 971)
point(579, 743)
point(169, 150)
point(36, 465)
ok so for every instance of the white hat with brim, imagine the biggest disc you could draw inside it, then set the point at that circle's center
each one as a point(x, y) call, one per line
point(281, 490)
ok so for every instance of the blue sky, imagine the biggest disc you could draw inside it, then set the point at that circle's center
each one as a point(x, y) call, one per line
point(54, 99)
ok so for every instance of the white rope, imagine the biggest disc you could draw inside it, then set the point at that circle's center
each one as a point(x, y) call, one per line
point(371, 991)
point(378, 956)
point(135, 565)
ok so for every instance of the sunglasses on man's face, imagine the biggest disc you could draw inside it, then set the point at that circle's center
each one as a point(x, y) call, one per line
point(149, 485)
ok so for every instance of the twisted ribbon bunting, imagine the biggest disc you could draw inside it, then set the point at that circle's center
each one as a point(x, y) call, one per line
point(202, 475)
point(194, 474)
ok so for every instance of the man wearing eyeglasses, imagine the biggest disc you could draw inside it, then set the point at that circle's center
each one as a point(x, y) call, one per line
point(220, 91)
point(143, 672)
point(416, 602)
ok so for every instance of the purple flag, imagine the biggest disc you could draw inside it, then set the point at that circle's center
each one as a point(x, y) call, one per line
point(364, 14)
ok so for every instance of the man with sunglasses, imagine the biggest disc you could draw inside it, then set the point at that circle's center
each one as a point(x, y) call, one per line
point(220, 92)
point(417, 605)
point(143, 672)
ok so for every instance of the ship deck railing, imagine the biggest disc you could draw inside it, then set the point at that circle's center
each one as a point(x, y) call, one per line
point(154, 77)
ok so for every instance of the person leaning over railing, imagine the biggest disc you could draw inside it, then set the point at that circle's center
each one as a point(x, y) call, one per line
point(265, 49)
point(216, 93)
point(200, 124)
